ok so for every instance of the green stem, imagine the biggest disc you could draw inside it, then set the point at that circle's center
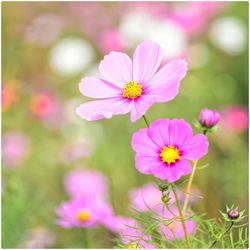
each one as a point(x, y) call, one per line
point(181, 217)
point(85, 238)
point(229, 228)
point(190, 181)
point(146, 121)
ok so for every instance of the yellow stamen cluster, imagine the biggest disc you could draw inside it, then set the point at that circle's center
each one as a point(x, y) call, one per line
point(83, 216)
point(132, 90)
point(132, 246)
point(170, 154)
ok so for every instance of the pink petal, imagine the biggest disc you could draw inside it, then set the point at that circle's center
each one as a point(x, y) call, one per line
point(146, 60)
point(145, 163)
point(143, 144)
point(97, 88)
point(184, 166)
point(165, 83)
point(165, 132)
point(172, 173)
point(158, 132)
point(116, 67)
point(179, 132)
point(195, 148)
point(141, 105)
point(161, 171)
point(106, 108)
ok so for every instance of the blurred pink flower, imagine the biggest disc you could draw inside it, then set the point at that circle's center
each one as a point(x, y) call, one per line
point(165, 147)
point(111, 40)
point(194, 16)
point(148, 197)
point(132, 235)
point(131, 86)
point(15, 148)
point(83, 212)
point(175, 229)
point(86, 183)
point(76, 151)
point(43, 105)
point(209, 118)
point(45, 29)
point(235, 118)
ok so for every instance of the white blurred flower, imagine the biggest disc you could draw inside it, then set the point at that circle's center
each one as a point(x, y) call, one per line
point(70, 56)
point(229, 35)
point(136, 27)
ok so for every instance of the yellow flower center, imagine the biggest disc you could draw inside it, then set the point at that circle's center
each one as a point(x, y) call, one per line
point(132, 246)
point(83, 216)
point(170, 154)
point(132, 90)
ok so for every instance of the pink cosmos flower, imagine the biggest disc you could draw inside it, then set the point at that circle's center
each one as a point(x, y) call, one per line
point(175, 229)
point(132, 235)
point(15, 148)
point(83, 212)
point(86, 183)
point(165, 147)
point(131, 86)
point(209, 118)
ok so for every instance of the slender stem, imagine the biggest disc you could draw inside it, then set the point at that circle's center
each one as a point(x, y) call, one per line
point(189, 186)
point(85, 238)
point(229, 228)
point(181, 217)
point(146, 121)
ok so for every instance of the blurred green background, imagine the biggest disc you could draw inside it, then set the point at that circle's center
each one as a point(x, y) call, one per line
point(32, 64)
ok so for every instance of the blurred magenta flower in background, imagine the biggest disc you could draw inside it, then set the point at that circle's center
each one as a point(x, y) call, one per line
point(235, 118)
point(43, 105)
point(165, 147)
point(15, 148)
point(131, 86)
point(83, 212)
point(86, 183)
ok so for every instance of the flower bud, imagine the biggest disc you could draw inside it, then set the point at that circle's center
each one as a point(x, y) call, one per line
point(233, 214)
point(209, 118)
point(163, 186)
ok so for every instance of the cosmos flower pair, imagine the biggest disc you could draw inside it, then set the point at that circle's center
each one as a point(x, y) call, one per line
point(165, 147)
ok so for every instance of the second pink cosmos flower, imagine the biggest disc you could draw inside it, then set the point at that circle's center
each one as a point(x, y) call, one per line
point(131, 85)
point(165, 147)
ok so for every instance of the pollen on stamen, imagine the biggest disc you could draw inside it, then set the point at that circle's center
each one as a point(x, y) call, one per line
point(132, 90)
point(170, 154)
